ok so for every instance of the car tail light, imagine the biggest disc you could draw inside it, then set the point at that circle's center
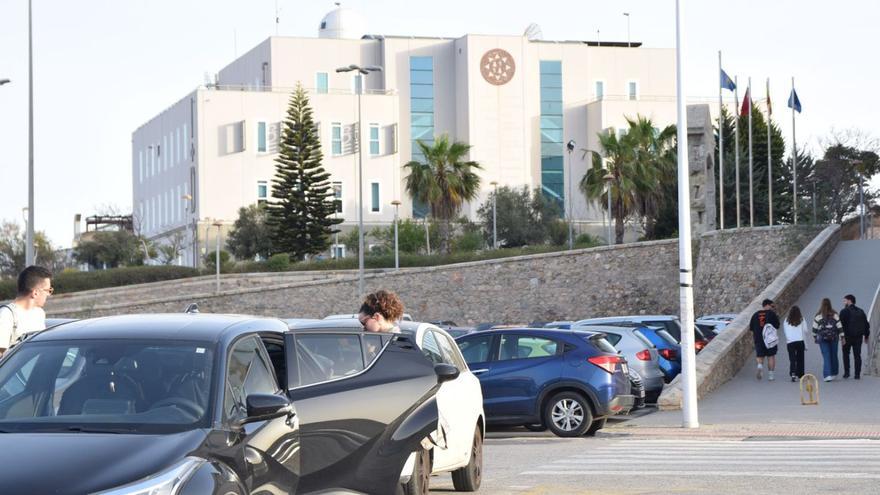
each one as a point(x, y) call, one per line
point(669, 354)
point(607, 363)
point(644, 355)
point(699, 345)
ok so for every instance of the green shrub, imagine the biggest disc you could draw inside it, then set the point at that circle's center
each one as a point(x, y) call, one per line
point(279, 262)
point(587, 241)
point(558, 232)
point(468, 242)
point(115, 277)
point(226, 263)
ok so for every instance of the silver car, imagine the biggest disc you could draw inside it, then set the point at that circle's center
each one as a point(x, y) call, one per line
point(640, 354)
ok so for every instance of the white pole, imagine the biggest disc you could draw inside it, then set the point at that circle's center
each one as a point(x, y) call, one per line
point(427, 236)
point(396, 245)
point(217, 258)
point(495, 216)
point(610, 242)
point(30, 257)
point(794, 160)
point(720, 145)
point(570, 216)
point(751, 163)
point(736, 147)
point(360, 198)
point(769, 159)
point(686, 294)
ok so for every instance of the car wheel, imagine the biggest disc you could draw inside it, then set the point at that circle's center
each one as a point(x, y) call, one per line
point(596, 426)
point(568, 414)
point(536, 427)
point(468, 478)
point(421, 477)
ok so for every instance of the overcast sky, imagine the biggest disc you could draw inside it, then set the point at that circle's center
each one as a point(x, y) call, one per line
point(104, 67)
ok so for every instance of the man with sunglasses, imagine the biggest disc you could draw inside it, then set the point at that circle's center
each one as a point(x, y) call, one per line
point(25, 314)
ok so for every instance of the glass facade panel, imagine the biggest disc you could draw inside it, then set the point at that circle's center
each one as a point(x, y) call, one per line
point(552, 179)
point(321, 84)
point(374, 197)
point(336, 138)
point(421, 80)
point(421, 105)
point(632, 90)
point(261, 137)
point(600, 90)
point(374, 139)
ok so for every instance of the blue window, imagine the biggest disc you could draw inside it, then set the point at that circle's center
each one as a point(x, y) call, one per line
point(336, 138)
point(262, 191)
point(321, 85)
point(600, 90)
point(421, 88)
point(633, 90)
point(552, 179)
point(374, 139)
point(374, 197)
point(261, 137)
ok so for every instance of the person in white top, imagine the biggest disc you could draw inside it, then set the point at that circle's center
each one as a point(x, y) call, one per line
point(25, 314)
point(796, 331)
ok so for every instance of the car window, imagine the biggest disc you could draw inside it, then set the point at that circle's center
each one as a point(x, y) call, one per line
point(476, 349)
point(645, 340)
point(326, 356)
point(526, 346)
point(247, 373)
point(372, 346)
point(601, 343)
point(613, 338)
point(17, 383)
point(431, 349)
point(449, 350)
point(670, 327)
point(667, 337)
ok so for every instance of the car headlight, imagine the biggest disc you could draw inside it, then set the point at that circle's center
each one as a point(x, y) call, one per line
point(167, 482)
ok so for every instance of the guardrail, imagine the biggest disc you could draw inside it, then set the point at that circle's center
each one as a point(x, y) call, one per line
point(874, 320)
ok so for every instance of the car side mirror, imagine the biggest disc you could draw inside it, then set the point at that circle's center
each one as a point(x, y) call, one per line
point(445, 372)
point(262, 407)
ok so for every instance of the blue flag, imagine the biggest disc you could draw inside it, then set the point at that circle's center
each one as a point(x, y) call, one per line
point(794, 102)
point(726, 81)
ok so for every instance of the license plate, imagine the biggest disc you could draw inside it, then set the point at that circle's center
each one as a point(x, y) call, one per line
point(641, 393)
point(625, 369)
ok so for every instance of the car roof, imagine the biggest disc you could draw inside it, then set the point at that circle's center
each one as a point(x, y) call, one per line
point(627, 318)
point(608, 328)
point(561, 331)
point(350, 324)
point(176, 326)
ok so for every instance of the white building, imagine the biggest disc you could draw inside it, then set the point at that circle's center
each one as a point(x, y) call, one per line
point(516, 100)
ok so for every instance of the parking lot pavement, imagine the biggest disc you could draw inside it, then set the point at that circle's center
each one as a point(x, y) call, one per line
point(531, 463)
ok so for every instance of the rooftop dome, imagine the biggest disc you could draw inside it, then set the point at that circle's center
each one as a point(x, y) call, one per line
point(342, 23)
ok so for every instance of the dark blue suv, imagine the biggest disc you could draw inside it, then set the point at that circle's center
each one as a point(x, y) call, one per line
point(569, 381)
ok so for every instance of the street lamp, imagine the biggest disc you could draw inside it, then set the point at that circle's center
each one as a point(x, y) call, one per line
point(195, 236)
point(494, 184)
point(363, 71)
point(859, 167)
point(628, 44)
point(29, 248)
point(608, 178)
point(396, 204)
point(570, 147)
point(4, 81)
point(218, 224)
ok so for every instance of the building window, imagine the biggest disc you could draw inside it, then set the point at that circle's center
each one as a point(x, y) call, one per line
point(261, 137)
point(262, 192)
point(552, 178)
point(633, 90)
point(337, 196)
point(374, 139)
point(421, 108)
point(375, 201)
point(357, 84)
point(185, 140)
point(337, 251)
point(140, 166)
point(336, 138)
point(321, 83)
point(600, 90)
point(179, 146)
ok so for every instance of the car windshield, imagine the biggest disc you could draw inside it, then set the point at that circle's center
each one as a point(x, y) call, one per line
point(106, 386)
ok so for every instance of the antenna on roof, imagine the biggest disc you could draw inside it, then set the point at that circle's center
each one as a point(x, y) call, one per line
point(533, 32)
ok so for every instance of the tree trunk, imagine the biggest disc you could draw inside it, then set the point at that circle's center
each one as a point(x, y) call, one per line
point(444, 236)
point(618, 223)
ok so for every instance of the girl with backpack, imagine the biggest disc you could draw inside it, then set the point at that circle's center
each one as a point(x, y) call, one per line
point(796, 329)
point(827, 331)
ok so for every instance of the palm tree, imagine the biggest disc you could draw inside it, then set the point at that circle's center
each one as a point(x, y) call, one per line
point(655, 157)
point(444, 182)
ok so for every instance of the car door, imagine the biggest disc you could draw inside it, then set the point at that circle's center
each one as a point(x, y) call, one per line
point(360, 418)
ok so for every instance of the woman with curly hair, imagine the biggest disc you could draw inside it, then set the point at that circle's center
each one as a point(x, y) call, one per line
point(380, 312)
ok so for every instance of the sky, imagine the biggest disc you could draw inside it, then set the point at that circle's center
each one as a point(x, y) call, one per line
point(104, 67)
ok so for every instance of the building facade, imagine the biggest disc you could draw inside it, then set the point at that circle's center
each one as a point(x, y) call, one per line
point(516, 101)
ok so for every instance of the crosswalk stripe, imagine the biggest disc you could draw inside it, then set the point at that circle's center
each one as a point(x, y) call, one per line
point(704, 474)
point(733, 461)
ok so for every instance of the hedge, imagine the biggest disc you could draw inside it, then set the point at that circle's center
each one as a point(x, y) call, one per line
point(99, 279)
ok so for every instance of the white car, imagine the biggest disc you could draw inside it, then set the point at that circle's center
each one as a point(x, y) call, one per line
point(717, 322)
point(457, 444)
point(349, 316)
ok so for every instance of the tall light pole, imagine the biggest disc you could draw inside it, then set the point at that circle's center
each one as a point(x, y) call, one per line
point(628, 43)
point(396, 204)
point(686, 290)
point(494, 215)
point(815, 220)
point(186, 199)
point(608, 178)
point(218, 224)
point(861, 205)
point(4, 81)
point(363, 71)
point(570, 147)
point(29, 249)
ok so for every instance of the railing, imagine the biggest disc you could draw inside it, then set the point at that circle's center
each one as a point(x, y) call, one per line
point(874, 321)
point(287, 89)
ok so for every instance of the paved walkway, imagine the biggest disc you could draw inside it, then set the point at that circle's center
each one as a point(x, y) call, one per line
point(854, 267)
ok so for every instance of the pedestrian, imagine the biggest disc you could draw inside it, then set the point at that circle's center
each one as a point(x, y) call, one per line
point(827, 330)
point(380, 312)
point(796, 330)
point(855, 329)
point(25, 313)
point(764, 326)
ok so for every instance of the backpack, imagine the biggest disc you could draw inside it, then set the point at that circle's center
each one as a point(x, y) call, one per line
point(827, 329)
point(771, 337)
point(858, 322)
point(14, 317)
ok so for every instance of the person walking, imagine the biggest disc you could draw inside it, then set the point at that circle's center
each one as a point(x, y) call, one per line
point(25, 314)
point(380, 312)
point(827, 331)
point(856, 329)
point(796, 331)
point(764, 324)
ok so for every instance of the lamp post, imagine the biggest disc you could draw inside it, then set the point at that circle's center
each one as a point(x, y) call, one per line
point(815, 220)
point(363, 71)
point(570, 147)
point(859, 167)
point(608, 178)
point(396, 204)
point(4, 81)
point(29, 248)
point(186, 198)
point(218, 224)
point(628, 44)
point(494, 184)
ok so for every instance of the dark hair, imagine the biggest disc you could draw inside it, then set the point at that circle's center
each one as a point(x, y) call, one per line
point(825, 309)
point(794, 316)
point(852, 298)
point(767, 302)
point(384, 302)
point(30, 278)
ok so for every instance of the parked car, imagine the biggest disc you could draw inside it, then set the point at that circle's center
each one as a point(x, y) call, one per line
point(716, 323)
point(485, 326)
point(668, 349)
point(639, 352)
point(570, 381)
point(451, 328)
point(670, 323)
point(459, 448)
point(638, 390)
point(54, 322)
point(565, 325)
point(192, 404)
point(353, 316)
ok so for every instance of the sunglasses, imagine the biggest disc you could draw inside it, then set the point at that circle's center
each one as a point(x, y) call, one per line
point(50, 290)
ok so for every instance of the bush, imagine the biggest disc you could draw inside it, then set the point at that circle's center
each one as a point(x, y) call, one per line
point(279, 262)
point(226, 263)
point(587, 241)
point(468, 242)
point(558, 233)
point(65, 281)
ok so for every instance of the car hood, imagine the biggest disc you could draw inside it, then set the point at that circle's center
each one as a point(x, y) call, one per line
point(78, 463)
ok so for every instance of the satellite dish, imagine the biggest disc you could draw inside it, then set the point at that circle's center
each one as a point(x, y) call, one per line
point(533, 32)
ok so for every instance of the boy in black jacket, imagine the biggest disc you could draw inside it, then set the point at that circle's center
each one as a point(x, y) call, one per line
point(855, 329)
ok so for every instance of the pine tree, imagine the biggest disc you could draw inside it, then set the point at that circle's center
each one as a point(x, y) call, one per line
point(301, 212)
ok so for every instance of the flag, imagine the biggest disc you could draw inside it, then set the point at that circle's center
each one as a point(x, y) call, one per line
point(794, 102)
point(726, 81)
point(769, 107)
point(747, 101)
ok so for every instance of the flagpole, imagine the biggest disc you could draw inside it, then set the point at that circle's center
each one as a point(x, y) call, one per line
point(769, 158)
point(793, 156)
point(736, 147)
point(720, 144)
point(751, 163)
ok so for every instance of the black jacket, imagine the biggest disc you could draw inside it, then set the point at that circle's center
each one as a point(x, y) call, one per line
point(853, 324)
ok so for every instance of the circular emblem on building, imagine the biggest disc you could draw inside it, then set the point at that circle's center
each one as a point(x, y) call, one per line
point(497, 67)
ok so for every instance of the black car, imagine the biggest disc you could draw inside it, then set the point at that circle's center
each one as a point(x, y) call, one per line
point(206, 404)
